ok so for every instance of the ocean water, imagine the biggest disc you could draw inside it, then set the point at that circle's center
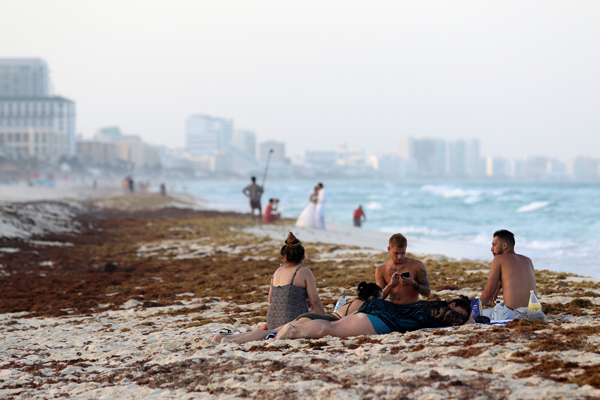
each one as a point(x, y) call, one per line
point(556, 224)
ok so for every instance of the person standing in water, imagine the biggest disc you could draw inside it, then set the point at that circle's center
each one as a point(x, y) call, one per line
point(321, 199)
point(359, 216)
point(254, 192)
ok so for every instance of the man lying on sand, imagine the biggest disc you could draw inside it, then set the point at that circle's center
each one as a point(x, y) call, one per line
point(381, 317)
point(511, 272)
point(402, 278)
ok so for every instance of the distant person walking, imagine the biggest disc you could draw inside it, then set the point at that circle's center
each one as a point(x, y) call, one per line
point(270, 215)
point(321, 199)
point(359, 216)
point(128, 185)
point(163, 189)
point(254, 192)
point(308, 217)
point(131, 185)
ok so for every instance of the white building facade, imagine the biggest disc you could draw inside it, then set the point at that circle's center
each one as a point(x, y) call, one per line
point(278, 155)
point(55, 114)
point(24, 77)
point(206, 135)
point(41, 143)
point(245, 140)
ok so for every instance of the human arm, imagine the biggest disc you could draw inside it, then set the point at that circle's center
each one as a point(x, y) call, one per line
point(311, 289)
point(246, 191)
point(380, 280)
point(270, 288)
point(492, 286)
point(470, 320)
point(497, 292)
point(420, 283)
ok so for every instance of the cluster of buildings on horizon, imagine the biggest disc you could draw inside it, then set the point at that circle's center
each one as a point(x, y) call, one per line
point(212, 145)
point(37, 131)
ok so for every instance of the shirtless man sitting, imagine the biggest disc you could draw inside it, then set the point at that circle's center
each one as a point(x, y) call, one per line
point(402, 278)
point(511, 272)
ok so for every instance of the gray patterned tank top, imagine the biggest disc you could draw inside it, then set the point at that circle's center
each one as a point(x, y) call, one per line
point(287, 302)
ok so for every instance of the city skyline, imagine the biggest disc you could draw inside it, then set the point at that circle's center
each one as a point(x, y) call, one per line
point(519, 77)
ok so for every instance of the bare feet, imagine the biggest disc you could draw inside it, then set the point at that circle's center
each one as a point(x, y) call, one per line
point(287, 332)
point(219, 336)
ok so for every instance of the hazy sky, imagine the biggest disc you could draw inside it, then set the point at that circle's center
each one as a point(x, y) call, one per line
point(523, 76)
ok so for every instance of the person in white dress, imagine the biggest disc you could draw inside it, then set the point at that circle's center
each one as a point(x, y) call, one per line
point(308, 217)
point(321, 199)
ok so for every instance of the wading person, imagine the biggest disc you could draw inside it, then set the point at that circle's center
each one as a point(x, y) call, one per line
point(359, 216)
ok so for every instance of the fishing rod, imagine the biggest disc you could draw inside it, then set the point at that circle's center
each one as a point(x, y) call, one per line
point(266, 169)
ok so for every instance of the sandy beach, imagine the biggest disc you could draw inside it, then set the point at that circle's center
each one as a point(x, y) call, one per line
point(111, 297)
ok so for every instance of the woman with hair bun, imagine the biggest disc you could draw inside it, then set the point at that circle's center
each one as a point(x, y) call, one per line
point(292, 285)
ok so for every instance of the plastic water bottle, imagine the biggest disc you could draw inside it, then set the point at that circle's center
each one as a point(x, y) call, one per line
point(534, 303)
point(340, 303)
point(476, 307)
point(498, 311)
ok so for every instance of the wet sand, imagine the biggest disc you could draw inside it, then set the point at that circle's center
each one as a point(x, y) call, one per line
point(121, 303)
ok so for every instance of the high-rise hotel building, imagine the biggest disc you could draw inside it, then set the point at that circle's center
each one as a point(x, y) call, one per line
point(33, 123)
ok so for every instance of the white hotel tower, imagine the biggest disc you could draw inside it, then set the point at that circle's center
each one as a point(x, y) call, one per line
point(32, 123)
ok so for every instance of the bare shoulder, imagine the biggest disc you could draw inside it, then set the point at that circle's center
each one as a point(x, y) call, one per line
point(416, 263)
point(305, 271)
point(382, 268)
point(525, 259)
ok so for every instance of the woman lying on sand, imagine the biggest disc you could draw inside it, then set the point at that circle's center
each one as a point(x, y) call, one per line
point(366, 291)
point(380, 317)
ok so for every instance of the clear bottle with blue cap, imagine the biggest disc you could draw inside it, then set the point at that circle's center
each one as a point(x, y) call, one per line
point(340, 303)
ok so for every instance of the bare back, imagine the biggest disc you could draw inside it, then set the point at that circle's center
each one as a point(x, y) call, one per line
point(350, 307)
point(283, 276)
point(515, 274)
point(304, 279)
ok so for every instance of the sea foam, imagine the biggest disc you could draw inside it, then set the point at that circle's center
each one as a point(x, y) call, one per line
point(536, 205)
